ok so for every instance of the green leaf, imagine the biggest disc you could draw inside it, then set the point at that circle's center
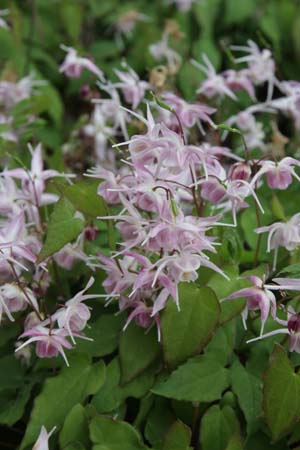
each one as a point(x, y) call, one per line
point(111, 434)
point(83, 196)
point(138, 350)
point(201, 379)
point(235, 443)
point(159, 422)
point(186, 332)
point(281, 394)
point(247, 388)
point(223, 288)
point(112, 393)
point(60, 393)
point(12, 410)
point(63, 228)
point(206, 12)
point(218, 426)
point(74, 446)
point(222, 344)
point(293, 271)
point(72, 15)
point(75, 427)
point(105, 333)
point(178, 437)
point(11, 373)
point(237, 12)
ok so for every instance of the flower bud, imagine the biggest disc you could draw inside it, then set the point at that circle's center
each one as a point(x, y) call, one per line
point(90, 233)
point(294, 324)
point(239, 171)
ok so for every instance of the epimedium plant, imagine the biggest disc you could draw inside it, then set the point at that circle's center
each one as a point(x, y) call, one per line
point(151, 277)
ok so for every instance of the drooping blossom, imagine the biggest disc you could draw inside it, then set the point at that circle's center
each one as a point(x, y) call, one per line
point(279, 174)
point(42, 441)
point(73, 316)
point(33, 179)
point(162, 52)
point(127, 21)
point(258, 296)
point(13, 92)
point(73, 65)
point(15, 247)
point(261, 296)
point(14, 299)
point(282, 234)
point(289, 104)
point(101, 132)
point(189, 114)
point(214, 84)
point(260, 63)
point(50, 342)
point(291, 328)
point(131, 86)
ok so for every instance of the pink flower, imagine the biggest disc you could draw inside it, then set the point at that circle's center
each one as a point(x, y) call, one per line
point(239, 80)
point(261, 65)
point(100, 131)
point(161, 50)
point(42, 441)
point(14, 299)
point(282, 234)
point(12, 93)
point(14, 246)
point(279, 175)
point(239, 171)
point(292, 329)
point(214, 84)
point(33, 179)
point(73, 64)
point(74, 315)
point(70, 254)
point(132, 87)
point(231, 192)
point(290, 103)
point(189, 114)
point(49, 342)
point(258, 297)
point(127, 21)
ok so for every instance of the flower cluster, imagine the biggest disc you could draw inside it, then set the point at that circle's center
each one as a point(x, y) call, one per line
point(170, 185)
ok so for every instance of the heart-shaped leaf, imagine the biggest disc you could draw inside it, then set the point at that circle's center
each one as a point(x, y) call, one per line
point(281, 393)
point(186, 332)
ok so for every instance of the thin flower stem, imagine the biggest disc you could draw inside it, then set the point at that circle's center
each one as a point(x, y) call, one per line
point(19, 283)
point(259, 224)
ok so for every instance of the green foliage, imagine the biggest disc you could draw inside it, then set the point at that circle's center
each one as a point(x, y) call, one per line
point(138, 350)
point(187, 331)
point(63, 228)
point(218, 428)
point(111, 434)
point(247, 388)
point(201, 379)
point(281, 394)
point(73, 384)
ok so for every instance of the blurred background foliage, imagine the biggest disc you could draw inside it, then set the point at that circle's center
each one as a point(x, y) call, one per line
point(38, 27)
